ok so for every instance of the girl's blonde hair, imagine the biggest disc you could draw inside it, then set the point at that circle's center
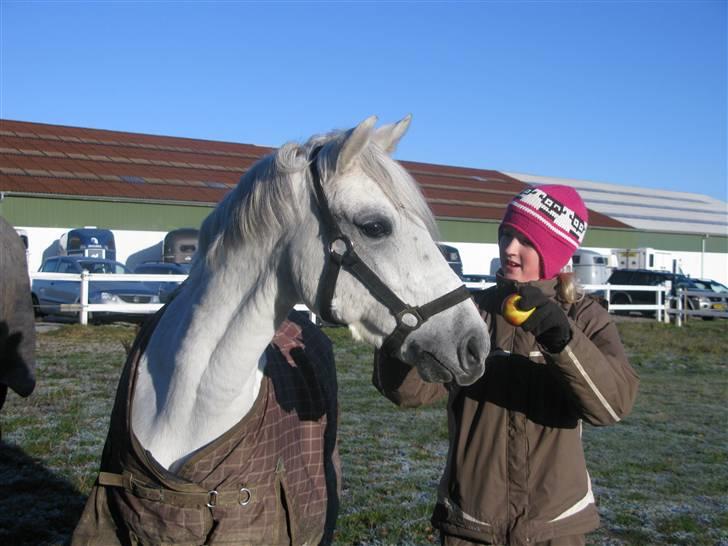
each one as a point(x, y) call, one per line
point(568, 289)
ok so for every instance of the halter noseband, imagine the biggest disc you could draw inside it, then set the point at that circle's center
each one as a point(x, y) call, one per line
point(341, 254)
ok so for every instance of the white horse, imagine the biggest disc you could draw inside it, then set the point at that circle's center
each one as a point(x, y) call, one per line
point(264, 249)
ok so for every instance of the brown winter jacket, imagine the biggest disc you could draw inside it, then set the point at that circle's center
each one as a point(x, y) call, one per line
point(276, 473)
point(516, 472)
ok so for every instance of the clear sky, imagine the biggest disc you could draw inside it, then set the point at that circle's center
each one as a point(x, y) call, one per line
point(626, 92)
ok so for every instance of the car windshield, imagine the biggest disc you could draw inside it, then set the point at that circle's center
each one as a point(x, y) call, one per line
point(103, 267)
point(168, 269)
point(717, 287)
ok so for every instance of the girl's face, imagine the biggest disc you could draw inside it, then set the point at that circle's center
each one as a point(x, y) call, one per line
point(519, 260)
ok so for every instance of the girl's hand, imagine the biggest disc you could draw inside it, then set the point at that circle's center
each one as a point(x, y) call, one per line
point(548, 323)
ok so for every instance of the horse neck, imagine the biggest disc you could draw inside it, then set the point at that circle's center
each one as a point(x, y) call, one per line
point(203, 366)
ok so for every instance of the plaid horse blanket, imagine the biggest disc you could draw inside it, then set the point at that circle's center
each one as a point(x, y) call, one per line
point(272, 479)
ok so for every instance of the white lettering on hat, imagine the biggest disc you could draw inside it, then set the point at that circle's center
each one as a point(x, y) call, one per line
point(566, 220)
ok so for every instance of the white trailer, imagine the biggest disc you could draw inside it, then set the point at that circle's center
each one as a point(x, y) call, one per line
point(590, 267)
point(646, 258)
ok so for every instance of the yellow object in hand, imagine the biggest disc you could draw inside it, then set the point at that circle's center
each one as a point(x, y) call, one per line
point(513, 314)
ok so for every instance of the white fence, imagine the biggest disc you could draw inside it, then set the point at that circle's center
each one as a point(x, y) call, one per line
point(664, 305)
point(658, 307)
point(83, 307)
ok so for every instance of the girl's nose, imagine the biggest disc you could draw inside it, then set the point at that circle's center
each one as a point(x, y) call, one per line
point(510, 243)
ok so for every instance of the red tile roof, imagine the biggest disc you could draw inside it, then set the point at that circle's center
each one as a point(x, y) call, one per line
point(55, 160)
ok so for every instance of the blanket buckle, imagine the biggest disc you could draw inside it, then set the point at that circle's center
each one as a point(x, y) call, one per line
point(212, 499)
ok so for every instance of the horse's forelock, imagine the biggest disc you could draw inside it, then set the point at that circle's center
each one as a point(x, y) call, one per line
point(399, 186)
point(395, 182)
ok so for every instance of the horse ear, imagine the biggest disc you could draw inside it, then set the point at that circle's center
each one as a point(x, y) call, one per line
point(388, 136)
point(355, 142)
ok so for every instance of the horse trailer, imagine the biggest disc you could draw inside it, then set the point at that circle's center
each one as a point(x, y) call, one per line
point(180, 245)
point(590, 267)
point(646, 258)
point(90, 242)
point(452, 256)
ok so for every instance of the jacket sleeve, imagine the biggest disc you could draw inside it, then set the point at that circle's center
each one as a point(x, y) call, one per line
point(402, 384)
point(595, 367)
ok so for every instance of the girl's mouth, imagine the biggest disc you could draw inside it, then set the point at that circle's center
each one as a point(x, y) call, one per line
point(511, 264)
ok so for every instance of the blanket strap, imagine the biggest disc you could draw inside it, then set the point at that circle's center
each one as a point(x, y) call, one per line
point(183, 499)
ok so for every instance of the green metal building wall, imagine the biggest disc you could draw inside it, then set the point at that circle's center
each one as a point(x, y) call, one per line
point(134, 215)
point(53, 212)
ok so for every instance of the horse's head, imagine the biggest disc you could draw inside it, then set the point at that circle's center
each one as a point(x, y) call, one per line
point(368, 207)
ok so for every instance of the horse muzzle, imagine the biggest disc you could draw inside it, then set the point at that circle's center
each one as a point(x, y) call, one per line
point(436, 362)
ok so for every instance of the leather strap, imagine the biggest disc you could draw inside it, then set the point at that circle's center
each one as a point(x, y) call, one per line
point(183, 499)
point(341, 253)
point(421, 314)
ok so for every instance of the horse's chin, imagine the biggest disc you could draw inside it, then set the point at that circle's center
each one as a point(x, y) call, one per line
point(432, 370)
point(438, 365)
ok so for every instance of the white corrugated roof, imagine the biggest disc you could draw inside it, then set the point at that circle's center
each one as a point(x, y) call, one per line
point(647, 208)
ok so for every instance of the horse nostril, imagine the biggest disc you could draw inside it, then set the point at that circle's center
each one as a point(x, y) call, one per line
point(473, 350)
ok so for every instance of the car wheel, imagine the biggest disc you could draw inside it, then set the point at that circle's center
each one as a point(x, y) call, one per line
point(620, 299)
point(36, 307)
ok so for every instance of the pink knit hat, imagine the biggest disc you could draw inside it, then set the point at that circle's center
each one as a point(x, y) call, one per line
point(554, 219)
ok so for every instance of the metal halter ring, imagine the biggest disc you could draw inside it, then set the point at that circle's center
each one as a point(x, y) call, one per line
point(340, 248)
point(244, 496)
point(409, 318)
point(212, 499)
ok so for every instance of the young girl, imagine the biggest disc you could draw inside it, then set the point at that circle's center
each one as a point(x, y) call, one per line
point(515, 471)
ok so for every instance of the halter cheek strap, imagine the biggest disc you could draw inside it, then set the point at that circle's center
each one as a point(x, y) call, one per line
point(341, 253)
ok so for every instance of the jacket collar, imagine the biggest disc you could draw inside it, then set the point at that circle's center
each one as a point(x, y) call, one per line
point(507, 286)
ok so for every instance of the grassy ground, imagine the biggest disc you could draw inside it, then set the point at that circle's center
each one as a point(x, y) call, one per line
point(661, 476)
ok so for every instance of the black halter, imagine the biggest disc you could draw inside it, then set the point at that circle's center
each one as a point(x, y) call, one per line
point(341, 254)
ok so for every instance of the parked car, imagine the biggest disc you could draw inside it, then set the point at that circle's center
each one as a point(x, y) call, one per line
point(49, 294)
point(647, 277)
point(164, 288)
point(719, 298)
point(476, 283)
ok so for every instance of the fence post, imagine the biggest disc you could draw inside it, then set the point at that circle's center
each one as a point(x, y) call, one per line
point(658, 303)
point(83, 316)
point(609, 299)
point(666, 307)
point(678, 320)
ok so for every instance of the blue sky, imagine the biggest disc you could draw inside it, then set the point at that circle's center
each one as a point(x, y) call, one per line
point(617, 91)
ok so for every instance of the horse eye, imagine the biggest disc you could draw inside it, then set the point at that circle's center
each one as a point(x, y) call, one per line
point(376, 229)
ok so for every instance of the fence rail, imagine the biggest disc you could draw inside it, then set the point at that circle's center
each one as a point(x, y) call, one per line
point(83, 307)
point(664, 306)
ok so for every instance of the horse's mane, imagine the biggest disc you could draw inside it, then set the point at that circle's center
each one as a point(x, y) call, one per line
point(258, 209)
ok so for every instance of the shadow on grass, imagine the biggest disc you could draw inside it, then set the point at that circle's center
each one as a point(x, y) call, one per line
point(36, 506)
